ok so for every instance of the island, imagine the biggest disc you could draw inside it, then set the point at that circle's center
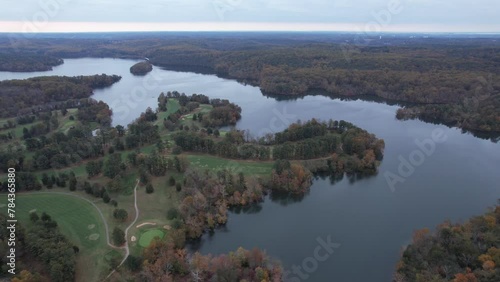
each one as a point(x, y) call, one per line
point(141, 68)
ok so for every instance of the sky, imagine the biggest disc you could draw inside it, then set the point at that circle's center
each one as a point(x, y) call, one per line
point(260, 15)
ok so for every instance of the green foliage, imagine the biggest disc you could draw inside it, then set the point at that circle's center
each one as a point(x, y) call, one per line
point(133, 263)
point(149, 188)
point(112, 166)
point(120, 214)
point(118, 236)
point(172, 213)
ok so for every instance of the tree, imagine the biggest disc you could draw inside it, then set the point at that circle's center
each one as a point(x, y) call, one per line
point(112, 166)
point(93, 168)
point(121, 130)
point(172, 213)
point(120, 214)
point(133, 263)
point(45, 179)
point(149, 188)
point(171, 180)
point(118, 236)
point(105, 197)
point(34, 217)
point(72, 183)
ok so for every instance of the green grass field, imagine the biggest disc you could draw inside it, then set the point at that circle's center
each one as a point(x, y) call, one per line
point(149, 235)
point(216, 163)
point(172, 107)
point(78, 220)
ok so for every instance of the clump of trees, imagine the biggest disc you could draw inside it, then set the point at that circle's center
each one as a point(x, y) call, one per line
point(290, 178)
point(43, 253)
point(454, 252)
point(206, 196)
point(223, 113)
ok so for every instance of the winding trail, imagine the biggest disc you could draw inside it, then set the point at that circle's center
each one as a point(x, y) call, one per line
point(127, 249)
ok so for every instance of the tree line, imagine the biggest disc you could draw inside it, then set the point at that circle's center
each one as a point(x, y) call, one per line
point(27, 62)
point(24, 97)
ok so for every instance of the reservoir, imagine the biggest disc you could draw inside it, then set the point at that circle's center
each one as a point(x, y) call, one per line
point(369, 220)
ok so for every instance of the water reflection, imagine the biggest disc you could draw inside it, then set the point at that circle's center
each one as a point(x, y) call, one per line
point(286, 199)
point(248, 209)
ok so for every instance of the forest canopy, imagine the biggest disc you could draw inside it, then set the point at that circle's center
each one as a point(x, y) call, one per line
point(442, 71)
point(28, 96)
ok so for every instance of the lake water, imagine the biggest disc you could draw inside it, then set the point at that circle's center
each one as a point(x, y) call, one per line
point(368, 219)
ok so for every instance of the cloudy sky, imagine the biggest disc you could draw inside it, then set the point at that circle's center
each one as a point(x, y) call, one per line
point(356, 15)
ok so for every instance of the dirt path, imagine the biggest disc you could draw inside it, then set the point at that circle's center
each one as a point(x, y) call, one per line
point(127, 251)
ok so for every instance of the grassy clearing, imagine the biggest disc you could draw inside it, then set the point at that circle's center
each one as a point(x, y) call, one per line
point(172, 107)
point(78, 220)
point(153, 207)
point(149, 235)
point(216, 163)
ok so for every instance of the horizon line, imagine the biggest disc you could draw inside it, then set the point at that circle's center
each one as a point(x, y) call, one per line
point(30, 27)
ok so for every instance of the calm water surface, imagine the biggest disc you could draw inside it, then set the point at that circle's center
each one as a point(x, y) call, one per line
point(370, 221)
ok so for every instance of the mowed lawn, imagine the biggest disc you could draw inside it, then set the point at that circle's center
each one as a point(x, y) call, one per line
point(216, 163)
point(78, 220)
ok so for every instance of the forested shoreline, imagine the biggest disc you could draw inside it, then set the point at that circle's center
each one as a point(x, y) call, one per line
point(27, 62)
point(466, 252)
point(42, 94)
point(449, 80)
